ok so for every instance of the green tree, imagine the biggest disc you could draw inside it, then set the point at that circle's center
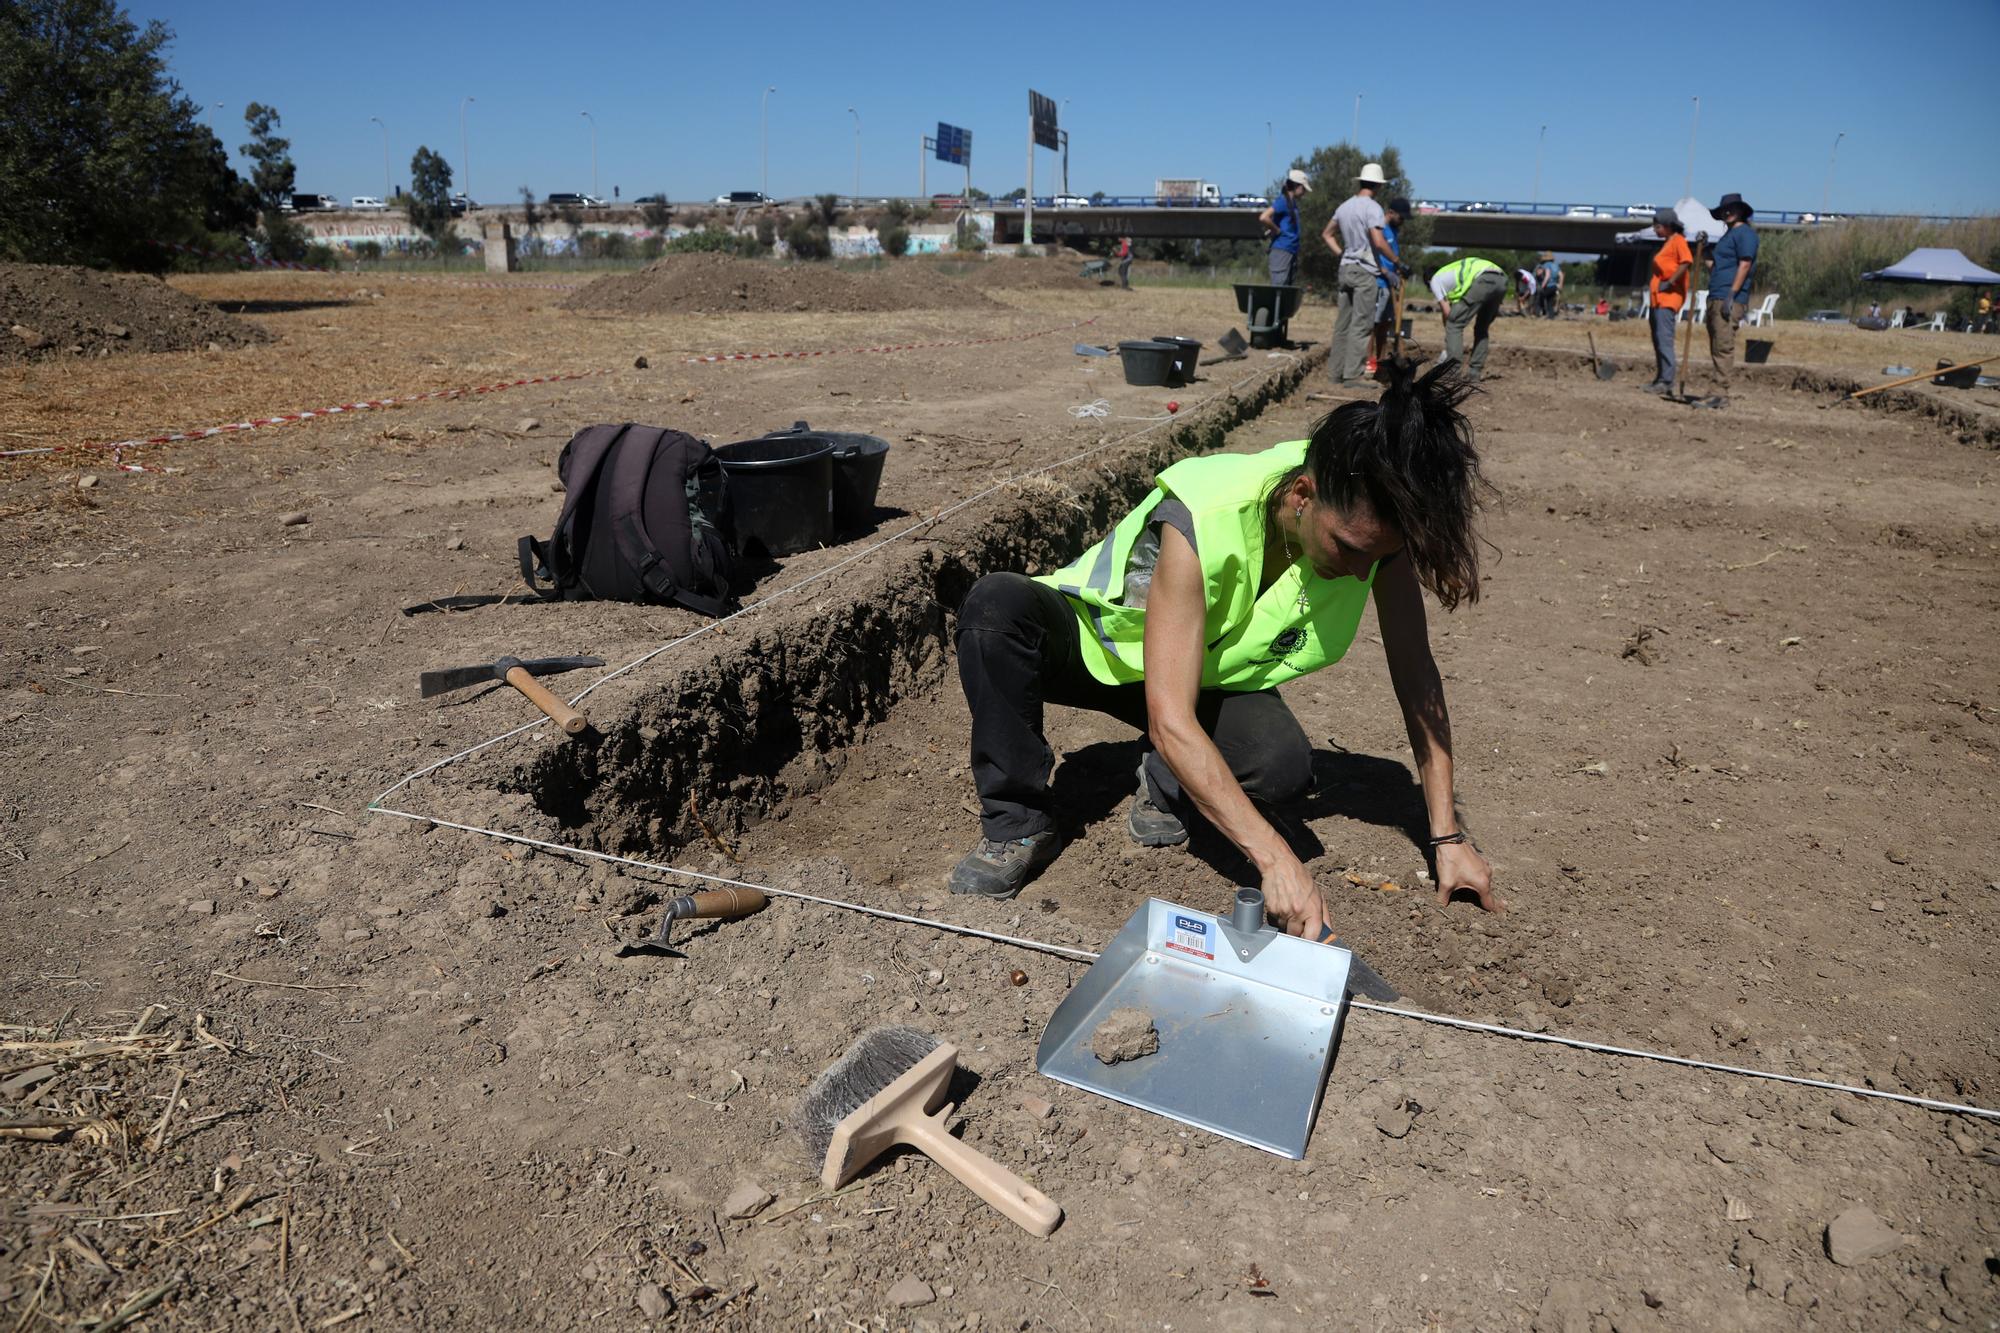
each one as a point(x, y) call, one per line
point(895, 239)
point(272, 181)
point(100, 153)
point(1332, 171)
point(429, 200)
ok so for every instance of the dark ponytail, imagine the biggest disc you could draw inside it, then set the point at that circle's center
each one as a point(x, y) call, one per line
point(1409, 457)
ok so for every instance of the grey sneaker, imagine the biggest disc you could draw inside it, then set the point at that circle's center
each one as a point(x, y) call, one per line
point(1001, 869)
point(1149, 825)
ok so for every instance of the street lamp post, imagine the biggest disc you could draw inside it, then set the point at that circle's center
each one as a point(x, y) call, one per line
point(464, 152)
point(1357, 120)
point(593, 151)
point(1536, 197)
point(1826, 195)
point(1687, 188)
point(1267, 155)
point(764, 141)
point(385, 156)
point(857, 153)
point(1064, 136)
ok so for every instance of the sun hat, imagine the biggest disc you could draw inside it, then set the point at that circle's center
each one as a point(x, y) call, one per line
point(1666, 217)
point(1298, 178)
point(1371, 174)
point(1732, 200)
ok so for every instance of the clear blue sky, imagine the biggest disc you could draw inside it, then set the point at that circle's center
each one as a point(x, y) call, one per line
point(1163, 90)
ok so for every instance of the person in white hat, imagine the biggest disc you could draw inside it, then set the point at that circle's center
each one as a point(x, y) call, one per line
point(1354, 234)
point(1281, 223)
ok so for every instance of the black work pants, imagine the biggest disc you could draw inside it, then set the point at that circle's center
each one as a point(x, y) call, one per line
point(1018, 650)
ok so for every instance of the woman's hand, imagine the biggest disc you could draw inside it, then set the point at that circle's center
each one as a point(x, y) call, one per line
point(1460, 866)
point(1292, 899)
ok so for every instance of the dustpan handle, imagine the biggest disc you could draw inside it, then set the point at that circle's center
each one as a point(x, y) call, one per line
point(1019, 1201)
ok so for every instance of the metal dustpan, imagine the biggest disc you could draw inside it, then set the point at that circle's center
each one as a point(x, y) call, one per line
point(1247, 1020)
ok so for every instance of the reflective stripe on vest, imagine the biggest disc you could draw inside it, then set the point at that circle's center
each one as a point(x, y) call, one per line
point(1467, 271)
point(1252, 642)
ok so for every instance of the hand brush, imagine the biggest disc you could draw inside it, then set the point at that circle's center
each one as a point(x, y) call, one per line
point(887, 1090)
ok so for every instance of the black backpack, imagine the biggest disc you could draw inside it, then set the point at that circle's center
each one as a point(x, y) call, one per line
point(645, 518)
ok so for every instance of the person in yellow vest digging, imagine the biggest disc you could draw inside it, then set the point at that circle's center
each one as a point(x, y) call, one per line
point(1469, 292)
point(1238, 573)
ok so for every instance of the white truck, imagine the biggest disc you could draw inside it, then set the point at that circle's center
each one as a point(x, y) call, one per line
point(1186, 192)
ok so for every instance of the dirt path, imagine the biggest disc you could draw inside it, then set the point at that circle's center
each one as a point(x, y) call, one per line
point(1724, 721)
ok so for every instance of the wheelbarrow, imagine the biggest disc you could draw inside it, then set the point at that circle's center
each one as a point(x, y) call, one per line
point(1267, 309)
point(1095, 268)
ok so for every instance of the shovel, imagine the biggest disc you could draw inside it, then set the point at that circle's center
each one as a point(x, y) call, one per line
point(1233, 344)
point(1605, 369)
point(1247, 1020)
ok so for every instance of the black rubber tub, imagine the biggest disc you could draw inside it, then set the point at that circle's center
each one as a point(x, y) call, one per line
point(781, 488)
point(1756, 351)
point(1148, 364)
point(1187, 354)
point(857, 473)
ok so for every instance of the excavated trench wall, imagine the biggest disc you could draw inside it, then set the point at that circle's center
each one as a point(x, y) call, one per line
point(766, 712)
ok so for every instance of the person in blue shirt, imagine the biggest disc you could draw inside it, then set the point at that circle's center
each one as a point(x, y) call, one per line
point(1388, 281)
point(1281, 223)
point(1731, 267)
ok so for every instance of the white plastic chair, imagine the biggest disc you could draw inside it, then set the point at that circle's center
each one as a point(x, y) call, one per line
point(1897, 322)
point(1646, 303)
point(1764, 313)
point(1937, 323)
point(1701, 306)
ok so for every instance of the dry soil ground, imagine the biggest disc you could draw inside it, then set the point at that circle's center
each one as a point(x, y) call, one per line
point(1725, 723)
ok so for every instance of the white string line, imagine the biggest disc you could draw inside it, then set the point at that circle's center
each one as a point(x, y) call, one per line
point(710, 627)
point(1086, 955)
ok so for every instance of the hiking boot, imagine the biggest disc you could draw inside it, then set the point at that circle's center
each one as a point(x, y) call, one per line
point(1657, 386)
point(1715, 403)
point(1149, 825)
point(1000, 869)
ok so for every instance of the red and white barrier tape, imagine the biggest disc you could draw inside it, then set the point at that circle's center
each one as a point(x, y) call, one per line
point(885, 347)
point(286, 418)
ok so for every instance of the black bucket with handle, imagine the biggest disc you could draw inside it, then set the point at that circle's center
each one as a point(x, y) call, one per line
point(857, 472)
point(781, 487)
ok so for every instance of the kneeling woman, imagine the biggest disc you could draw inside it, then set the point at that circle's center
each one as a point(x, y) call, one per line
point(1238, 573)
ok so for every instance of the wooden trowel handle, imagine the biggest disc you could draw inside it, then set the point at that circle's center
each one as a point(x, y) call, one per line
point(718, 904)
point(1016, 1199)
point(559, 712)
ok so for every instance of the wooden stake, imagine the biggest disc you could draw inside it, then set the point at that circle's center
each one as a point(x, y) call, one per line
point(1687, 308)
point(1921, 375)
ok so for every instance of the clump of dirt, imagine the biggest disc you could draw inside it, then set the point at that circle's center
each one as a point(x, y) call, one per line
point(58, 310)
point(1128, 1034)
point(711, 284)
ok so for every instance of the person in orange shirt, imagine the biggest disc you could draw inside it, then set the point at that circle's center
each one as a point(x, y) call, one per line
point(1669, 287)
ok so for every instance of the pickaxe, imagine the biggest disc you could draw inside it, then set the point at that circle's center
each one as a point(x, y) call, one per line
point(521, 675)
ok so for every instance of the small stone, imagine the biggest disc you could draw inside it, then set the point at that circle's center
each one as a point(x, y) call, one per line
point(297, 518)
point(638, 363)
point(746, 1200)
point(202, 907)
point(87, 481)
point(358, 935)
point(654, 1303)
point(378, 1265)
point(1531, 1018)
point(1652, 1300)
point(1964, 1142)
point(30, 338)
point(267, 891)
point(1396, 1118)
point(1038, 1108)
point(455, 544)
point(1559, 991)
point(117, 331)
point(1878, 906)
point(526, 424)
point(1897, 855)
point(1735, 1210)
point(215, 347)
point(1128, 1034)
point(1857, 1235)
point(1726, 1148)
point(1131, 1160)
point(909, 1292)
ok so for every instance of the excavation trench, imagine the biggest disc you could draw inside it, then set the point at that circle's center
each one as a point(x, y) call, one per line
point(737, 723)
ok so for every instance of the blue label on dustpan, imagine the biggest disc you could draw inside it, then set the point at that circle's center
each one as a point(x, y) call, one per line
point(1190, 935)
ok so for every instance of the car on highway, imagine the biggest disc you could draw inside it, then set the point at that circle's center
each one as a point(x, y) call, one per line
point(1481, 206)
point(745, 198)
point(1426, 206)
point(1639, 210)
point(1070, 201)
point(312, 203)
point(1579, 211)
point(461, 205)
point(1248, 201)
point(566, 199)
point(944, 203)
point(366, 203)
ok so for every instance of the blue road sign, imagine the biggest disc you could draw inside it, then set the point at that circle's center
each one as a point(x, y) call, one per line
point(954, 144)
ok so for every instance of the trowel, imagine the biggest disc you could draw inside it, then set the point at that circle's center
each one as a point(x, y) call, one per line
point(1247, 1020)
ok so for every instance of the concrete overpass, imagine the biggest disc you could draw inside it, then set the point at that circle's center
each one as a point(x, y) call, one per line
point(1456, 230)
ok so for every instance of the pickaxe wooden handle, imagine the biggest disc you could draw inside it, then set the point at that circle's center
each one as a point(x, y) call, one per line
point(559, 712)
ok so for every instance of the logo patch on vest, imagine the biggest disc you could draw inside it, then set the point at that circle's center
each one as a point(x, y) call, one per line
point(1288, 642)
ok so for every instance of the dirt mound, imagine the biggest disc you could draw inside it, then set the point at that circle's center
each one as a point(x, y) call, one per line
point(1007, 272)
point(710, 284)
point(53, 310)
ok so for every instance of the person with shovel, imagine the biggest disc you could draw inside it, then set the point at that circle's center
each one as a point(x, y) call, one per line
point(1671, 265)
point(1281, 222)
point(1238, 573)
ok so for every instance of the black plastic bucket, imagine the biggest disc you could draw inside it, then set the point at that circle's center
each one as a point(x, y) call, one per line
point(1186, 357)
point(857, 472)
point(781, 488)
point(1756, 351)
point(1148, 364)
